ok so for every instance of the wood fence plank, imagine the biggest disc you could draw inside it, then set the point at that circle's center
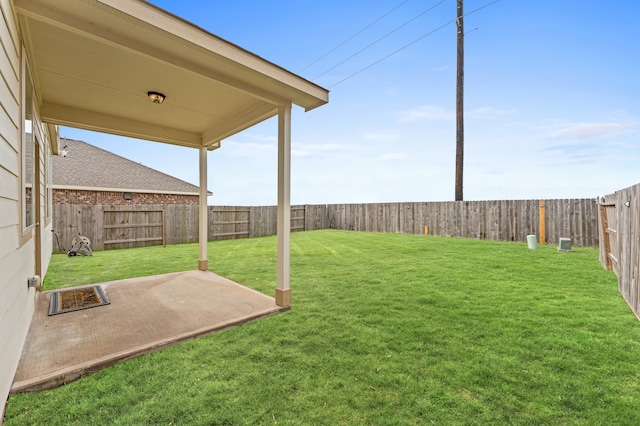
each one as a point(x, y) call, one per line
point(507, 220)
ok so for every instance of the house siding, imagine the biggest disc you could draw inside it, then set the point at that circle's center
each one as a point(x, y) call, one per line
point(17, 246)
point(42, 142)
point(16, 262)
point(46, 203)
point(73, 196)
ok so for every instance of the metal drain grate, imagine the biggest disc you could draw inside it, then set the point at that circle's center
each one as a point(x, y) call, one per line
point(74, 300)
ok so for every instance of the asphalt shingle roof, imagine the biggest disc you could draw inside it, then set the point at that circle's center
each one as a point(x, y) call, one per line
point(87, 166)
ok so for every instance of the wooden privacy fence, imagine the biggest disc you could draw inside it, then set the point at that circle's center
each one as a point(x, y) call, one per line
point(128, 228)
point(115, 227)
point(619, 229)
point(249, 222)
point(132, 226)
point(509, 220)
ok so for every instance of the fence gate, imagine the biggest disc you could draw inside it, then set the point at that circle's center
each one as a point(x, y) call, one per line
point(133, 228)
point(608, 234)
point(297, 218)
point(227, 223)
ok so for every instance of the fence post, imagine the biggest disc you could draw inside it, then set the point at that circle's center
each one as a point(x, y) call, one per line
point(543, 232)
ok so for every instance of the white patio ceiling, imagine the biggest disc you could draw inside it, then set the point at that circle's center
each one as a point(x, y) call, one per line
point(93, 62)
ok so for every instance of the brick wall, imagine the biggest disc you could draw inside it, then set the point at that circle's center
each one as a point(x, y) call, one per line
point(72, 196)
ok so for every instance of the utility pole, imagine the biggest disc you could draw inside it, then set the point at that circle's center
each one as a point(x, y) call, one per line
point(460, 103)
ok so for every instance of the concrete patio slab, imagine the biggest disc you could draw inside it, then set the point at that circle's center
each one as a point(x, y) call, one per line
point(145, 314)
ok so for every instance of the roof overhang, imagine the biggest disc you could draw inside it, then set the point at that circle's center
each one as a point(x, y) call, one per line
point(132, 190)
point(93, 62)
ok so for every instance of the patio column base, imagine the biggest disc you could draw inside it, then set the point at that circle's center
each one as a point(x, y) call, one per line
point(283, 297)
point(203, 265)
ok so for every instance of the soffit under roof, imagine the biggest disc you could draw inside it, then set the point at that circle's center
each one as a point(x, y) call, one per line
point(93, 62)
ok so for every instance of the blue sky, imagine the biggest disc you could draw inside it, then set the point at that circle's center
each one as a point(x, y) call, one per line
point(552, 101)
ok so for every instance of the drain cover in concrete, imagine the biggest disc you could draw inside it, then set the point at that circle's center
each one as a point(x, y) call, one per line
point(74, 300)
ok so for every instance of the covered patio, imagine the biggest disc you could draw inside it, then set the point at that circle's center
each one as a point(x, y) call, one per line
point(144, 315)
point(129, 68)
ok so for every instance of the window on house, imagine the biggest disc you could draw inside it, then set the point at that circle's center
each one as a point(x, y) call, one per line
point(28, 152)
point(49, 191)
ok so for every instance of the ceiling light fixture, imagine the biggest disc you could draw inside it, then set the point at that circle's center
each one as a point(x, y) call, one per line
point(156, 97)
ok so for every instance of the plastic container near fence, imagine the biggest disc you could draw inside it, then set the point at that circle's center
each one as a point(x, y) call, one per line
point(532, 242)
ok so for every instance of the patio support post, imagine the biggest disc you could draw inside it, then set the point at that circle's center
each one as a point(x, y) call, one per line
point(283, 291)
point(203, 262)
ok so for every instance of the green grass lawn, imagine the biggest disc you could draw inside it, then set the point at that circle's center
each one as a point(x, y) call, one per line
point(385, 329)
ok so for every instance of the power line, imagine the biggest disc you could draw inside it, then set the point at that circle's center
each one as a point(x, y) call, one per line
point(481, 7)
point(392, 53)
point(353, 36)
point(406, 46)
point(337, 31)
point(381, 38)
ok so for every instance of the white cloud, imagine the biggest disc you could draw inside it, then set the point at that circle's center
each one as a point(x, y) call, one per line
point(489, 112)
point(581, 131)
point(316, 149)
point(264, 150)
point(394, 156)
point(262, 138)
point(380, 136)
point(328, 150)
point(249, 149)
point(424, 112)
point(580, 152)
